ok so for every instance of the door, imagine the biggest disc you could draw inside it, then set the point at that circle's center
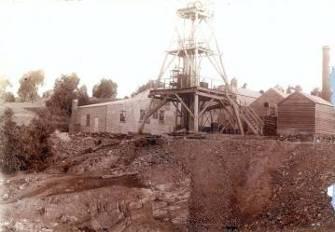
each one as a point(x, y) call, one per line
point(96, 125)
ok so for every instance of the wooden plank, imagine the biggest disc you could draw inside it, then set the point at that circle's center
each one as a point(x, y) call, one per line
point(196, 113)
point(206, 107)
point(150, 112)
point(183, 103)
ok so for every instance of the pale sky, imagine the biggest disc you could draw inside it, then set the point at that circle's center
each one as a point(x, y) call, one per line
point(264, 42)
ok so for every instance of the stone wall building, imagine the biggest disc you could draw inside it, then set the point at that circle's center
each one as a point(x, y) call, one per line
point(122, 116)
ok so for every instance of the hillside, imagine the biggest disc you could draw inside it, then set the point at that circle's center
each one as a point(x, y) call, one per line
point(126, 183)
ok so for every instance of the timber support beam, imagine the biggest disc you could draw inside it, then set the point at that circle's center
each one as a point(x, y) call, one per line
point(151, 112)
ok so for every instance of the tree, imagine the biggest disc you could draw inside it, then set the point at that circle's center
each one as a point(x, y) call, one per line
point(5, 96)
point(281, 89)
point(29, 84)
point(4, 84)
point(24, 147)
point(150, 84)
point(65, 90)
point(298, 88)
point(290, 89)
point(8, 97)
point(105, 89)
point(9, 143)
point(47, 94)
point(83, 98)
point(316, 92)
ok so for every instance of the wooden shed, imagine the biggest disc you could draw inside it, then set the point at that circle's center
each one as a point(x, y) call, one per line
point(301, 113)
point(266, 104)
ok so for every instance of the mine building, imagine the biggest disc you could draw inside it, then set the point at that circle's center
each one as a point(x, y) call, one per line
point(267, 103)
point(302, 113)
point(184, 92)
point(122, 116)
point(266, 107)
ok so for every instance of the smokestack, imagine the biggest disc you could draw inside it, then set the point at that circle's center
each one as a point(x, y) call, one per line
point(326, 89)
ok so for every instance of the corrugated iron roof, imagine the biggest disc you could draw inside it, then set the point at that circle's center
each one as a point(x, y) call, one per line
point(284, 95)
point(143, 94)
point(315, 99)
point(248, 93)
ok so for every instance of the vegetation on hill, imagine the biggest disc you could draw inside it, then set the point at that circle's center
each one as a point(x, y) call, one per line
point(105, 89)
point(29, 84)
point(24, 147)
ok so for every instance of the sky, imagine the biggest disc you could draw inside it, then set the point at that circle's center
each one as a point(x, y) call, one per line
point(264, 43)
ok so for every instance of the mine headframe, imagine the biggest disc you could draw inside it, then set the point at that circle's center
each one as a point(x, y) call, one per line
point(193, 98)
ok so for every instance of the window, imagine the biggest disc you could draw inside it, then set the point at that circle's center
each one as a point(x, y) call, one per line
point(155, 115)
point(142, 115)
point(161, 115)
point(123, 116)
point(88, 120)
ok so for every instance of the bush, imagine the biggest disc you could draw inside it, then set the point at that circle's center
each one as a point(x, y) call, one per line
point(9, 143)
point(8, 97)
point(24, 147)
point(60, 102)
point(105, 89)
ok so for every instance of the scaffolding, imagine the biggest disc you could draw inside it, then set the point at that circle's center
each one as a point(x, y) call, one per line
point(185, 90)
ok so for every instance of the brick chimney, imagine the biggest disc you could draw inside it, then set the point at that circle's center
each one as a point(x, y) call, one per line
point(326, 88)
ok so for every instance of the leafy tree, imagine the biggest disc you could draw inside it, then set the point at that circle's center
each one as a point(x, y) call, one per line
point(316, 92)
point(281, 89)
point(47, 94)
point(29, 84)
point(4, 84)
point(105, 89)
point(9, 143)
point(83, 98)
point(290, 89)
point(298, 88)
point(65, 90)
point(8, 97)
point(24, 147)
point(150, 84)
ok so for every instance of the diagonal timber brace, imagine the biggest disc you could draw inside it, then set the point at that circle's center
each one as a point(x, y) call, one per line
point(151, 112)
point(206, 107)
point(184, 104)
point(236, 112)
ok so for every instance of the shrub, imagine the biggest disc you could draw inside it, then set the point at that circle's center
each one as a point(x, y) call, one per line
point(24, 147)
point(8, 97)
point(9, 143)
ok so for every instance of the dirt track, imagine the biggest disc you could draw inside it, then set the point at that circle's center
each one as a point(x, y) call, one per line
point(176, 185)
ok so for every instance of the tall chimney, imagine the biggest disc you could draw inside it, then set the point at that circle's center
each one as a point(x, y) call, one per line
point(326, 89)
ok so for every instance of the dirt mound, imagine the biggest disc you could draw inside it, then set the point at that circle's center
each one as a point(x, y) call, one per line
point(258, 185)
point(299, 186)
point(131, 183)
point(100, 185)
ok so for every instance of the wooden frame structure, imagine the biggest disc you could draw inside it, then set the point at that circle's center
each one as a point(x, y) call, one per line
point(185, 92)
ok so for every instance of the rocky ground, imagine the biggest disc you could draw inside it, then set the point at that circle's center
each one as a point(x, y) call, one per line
point(132, 183)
